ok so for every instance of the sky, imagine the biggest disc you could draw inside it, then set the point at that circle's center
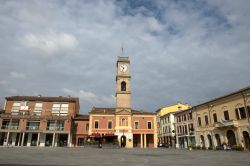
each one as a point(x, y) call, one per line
point(189, 51)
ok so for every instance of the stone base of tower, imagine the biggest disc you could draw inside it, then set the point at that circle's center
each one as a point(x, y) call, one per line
point(128, 136)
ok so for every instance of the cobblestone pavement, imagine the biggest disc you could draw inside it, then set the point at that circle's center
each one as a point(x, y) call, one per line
point(119, 157)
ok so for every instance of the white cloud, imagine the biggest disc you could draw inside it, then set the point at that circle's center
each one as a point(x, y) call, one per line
point(50, 42)
point(96, 100)
point(14, 74)
point(3, 82)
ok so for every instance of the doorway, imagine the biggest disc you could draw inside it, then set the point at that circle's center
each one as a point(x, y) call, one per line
point(231, 138)
point(246, 139)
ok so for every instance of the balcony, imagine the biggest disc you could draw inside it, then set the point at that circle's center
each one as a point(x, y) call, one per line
point(32, 128)
point(51, 128)
point(7, 127)
point(226, 123)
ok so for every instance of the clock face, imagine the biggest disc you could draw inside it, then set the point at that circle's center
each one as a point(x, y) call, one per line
point(123, 68)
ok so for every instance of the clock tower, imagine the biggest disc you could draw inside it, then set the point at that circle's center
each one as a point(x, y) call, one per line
point(123, 128)
point(123, 94)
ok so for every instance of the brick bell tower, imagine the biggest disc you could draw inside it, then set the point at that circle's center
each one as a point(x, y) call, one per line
point(123, 103)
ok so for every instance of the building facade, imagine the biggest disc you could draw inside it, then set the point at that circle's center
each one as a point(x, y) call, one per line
point(167, 130)
point(162, 115)
point(185, 128)
point(131, 128)
point(224, 121)
point(38, 121)
point(80, 130)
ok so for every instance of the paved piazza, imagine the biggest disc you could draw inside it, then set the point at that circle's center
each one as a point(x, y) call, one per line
point(120, 157)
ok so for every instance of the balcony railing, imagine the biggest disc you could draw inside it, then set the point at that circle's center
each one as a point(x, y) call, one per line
point(226, 123)
point(10, 127)
point(55, 128)
point(32, 127)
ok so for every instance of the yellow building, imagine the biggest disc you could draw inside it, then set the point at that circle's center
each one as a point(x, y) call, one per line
point(160, 120)
point(224, 121)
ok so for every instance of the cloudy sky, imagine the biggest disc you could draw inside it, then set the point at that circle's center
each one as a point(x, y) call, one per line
point(189, 51)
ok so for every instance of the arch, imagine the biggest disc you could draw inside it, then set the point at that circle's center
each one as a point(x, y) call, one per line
point(231, 138)
point(218, 141)
point(224, 108)
point(123, 141)
point(238, 105)
point(246, 139)
point(123, 86)
point(202, 141)
point(210, 143)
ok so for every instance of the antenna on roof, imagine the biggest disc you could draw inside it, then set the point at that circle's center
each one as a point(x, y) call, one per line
point(122, 48)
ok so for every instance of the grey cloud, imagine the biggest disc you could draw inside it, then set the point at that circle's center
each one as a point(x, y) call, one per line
point(177, 54)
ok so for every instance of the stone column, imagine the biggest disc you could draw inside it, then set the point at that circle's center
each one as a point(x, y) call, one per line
point(141, 141)
point(19, 139)
point(53, 140)
point(23, 138)
point(69, 140)
point(38, 139)
point(145, 140)
point(7, 139)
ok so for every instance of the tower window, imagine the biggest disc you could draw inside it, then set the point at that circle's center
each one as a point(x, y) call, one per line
point(123, 86)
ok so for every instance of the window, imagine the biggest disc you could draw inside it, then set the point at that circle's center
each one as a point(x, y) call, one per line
point(109, 125)
point(184, 117)
point(96, 124)
point(179, 119)
point(60, 109)
point(215, 117)
point(15, 108)
point(248, 111)
point(199, 121)
point(168, 119)
point(226, 115)
point(123, 86)
point(206, 119)
point(190, 116)
point(240, 113)
point(87, 127)
point(149, 125)
point(32, 125)
point(191, 128)
point(123, 122)
point(186, 129)
point(136, 125)
point(5, 123)
point(38, 109)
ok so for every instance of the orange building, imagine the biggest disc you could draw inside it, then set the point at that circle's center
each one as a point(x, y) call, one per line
point(80, 130)
point(130, 128)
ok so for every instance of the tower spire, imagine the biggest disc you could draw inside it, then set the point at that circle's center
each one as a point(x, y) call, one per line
point(122, 49)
